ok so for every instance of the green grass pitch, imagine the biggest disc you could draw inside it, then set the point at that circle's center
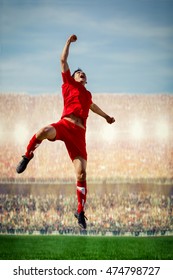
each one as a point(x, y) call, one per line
point(85, 248)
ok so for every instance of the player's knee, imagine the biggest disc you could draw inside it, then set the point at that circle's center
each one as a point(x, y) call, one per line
point(43, 133)
point(81, 176)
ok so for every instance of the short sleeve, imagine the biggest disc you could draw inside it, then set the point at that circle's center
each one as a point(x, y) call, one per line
point(66, 77)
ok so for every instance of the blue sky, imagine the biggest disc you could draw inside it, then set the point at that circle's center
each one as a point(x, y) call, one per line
point(123, 45)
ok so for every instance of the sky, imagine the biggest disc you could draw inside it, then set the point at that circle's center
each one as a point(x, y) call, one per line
point(124, 46)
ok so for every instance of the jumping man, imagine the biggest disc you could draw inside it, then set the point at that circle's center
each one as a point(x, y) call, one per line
point(71, 128)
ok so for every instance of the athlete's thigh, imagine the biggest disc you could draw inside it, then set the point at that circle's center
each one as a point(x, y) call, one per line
point(51, 135)
point(47, 132)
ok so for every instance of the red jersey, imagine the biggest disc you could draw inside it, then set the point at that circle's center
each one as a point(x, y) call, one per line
point(77, 99)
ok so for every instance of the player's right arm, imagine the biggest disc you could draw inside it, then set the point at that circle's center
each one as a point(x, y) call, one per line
point(65, 53)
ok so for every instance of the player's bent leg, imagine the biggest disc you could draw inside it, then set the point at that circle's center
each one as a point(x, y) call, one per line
point(47, 132)
point(81, 189)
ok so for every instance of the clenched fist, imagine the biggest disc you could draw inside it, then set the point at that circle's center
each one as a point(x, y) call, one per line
point(72, 38)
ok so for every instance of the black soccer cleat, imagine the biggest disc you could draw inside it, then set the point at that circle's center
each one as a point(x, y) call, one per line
point(81, 219)
point(23, 163)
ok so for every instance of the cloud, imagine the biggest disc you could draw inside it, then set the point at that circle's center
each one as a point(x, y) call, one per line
point(120, 40)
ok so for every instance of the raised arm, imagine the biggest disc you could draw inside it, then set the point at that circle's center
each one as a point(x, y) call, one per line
point(99, 112)
point(65, 52)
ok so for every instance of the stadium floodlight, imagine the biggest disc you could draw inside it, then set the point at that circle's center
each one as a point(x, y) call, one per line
point(21, 134)
point(162, 130)
point(108, 133)
point(137, 130)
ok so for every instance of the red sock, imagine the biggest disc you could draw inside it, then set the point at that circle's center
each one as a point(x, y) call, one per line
point(81, 195)
point(33, 144)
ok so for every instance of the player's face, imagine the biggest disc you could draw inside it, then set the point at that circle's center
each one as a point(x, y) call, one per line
point(80, 77)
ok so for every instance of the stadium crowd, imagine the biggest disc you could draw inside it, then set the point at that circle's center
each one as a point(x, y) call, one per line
point(138, 146)
point(118, 212)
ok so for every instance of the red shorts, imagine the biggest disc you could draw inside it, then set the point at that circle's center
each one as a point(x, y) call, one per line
point(73, 136)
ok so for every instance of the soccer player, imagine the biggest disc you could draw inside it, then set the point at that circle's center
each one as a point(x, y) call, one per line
point(71, 128)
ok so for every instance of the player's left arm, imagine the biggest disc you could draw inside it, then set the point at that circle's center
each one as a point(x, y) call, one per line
point(96, 109)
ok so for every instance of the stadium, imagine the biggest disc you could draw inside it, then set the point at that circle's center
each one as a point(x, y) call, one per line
point(130, 180)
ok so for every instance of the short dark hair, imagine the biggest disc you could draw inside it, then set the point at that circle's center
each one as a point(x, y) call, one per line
point(79, 69)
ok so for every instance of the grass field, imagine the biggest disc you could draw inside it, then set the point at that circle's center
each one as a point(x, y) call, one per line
point(85, 248)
